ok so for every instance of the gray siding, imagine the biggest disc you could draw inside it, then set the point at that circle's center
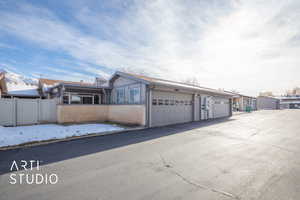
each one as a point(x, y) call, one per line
point(267, 103)
point(127, 84)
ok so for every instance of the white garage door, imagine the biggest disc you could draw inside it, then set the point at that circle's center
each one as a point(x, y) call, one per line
point(171, 108)
point(221, 107)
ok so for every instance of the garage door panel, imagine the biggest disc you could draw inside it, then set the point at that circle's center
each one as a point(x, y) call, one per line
point(221, 107)
point(172, 113)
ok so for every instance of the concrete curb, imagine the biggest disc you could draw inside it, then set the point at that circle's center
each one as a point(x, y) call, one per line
point(44, 142)
point(241, 113)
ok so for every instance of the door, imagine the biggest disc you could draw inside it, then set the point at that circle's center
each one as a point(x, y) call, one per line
point(206, 107)
point(171, 108)
point(221, 107)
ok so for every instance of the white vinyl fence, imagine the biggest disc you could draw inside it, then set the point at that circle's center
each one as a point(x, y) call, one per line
point(14, 112)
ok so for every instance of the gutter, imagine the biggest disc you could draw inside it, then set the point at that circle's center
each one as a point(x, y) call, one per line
point(193, 89)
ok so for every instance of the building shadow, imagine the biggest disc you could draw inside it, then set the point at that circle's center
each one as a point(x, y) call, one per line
point(55, 152)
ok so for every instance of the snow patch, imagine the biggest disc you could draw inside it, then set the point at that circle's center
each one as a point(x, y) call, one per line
point(22, 134)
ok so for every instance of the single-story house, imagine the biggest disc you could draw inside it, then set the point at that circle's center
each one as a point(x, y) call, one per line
point(168, 102)
point(133, 99)
point(267, 103)
point(156, 102)
point(241, 102)
point(290, 102)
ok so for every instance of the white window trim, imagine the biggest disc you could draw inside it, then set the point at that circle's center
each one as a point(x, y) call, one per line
point(139, 95)
point(124, 95)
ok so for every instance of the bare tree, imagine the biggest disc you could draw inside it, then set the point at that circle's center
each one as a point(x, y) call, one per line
point(134, 70)
point(266, 94)
point(235, 91)
point(192, 81)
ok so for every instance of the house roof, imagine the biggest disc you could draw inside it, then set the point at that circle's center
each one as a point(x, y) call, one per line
point(157, 81)
point(289, 98)
point(52, 82)
point(268, 97)
point(21, 89)
point(46, 85)
point(241, 95)
point(17, 87)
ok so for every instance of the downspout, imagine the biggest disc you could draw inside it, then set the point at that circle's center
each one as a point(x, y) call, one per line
point(200, 108)
point(194, 107)
point(147, 106)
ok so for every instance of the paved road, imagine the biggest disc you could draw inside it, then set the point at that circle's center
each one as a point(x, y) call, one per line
point(250, 156)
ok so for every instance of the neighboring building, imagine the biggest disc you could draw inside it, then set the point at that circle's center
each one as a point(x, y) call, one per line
point(169, 102)
point(69, 92)
point(289, 102)
point(241, 102)
point(293, 92)
point(267, 103)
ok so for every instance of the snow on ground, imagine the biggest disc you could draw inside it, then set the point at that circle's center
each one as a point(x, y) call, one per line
point(23, 134)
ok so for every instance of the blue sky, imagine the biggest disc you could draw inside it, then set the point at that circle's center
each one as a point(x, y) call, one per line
point(249, 46)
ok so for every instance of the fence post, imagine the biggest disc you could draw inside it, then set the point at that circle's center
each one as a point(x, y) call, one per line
point(38, 110)
point(15, 108)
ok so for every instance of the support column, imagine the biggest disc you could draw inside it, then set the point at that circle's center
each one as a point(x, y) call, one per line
point(69, 98)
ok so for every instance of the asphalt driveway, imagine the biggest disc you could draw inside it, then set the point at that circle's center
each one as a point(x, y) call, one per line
point(249, 156)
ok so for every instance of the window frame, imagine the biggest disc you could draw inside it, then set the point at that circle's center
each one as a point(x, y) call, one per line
point(118, 100)
point(160, 102)
point(132, 96)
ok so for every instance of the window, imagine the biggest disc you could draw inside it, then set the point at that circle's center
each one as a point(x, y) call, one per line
point(81, 98)
point(160, 102)
point(154, 101)
point(120, 95)
point(75, 99)
point(65, 99)
point(134, 95)
point(87, 100)
point(96, 99)
point(172, 102)
point(176, 102)
point(166, 101)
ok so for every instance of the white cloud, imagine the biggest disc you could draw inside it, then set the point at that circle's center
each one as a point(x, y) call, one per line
point(245, 45)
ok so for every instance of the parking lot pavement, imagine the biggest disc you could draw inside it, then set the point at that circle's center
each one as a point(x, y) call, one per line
point(249, 156)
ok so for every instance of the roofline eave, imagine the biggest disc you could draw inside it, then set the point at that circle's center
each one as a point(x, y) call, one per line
point(192, 89)
point(125, 75)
